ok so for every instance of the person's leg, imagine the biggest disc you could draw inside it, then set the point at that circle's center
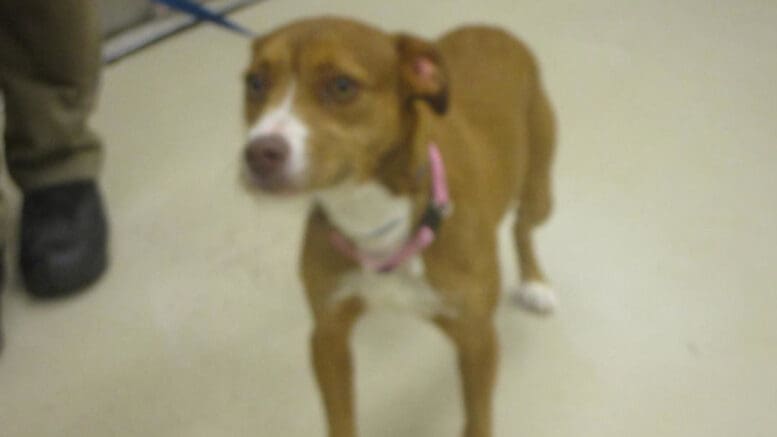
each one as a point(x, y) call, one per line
point(50, 83)
point(5, 53)
point(2, 266)
point(49, 74)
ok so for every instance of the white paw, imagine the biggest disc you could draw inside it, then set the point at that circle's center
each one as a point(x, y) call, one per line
point(536, 297)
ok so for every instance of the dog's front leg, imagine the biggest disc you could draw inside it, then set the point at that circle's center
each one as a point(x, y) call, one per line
point(476, 346)
point(322, 271)
point(333, 368)
point(472, 294)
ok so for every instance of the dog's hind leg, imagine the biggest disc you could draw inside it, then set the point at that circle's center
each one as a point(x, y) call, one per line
point(536, 203)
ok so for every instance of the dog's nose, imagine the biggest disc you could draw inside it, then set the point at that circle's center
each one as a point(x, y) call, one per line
point(267, 154)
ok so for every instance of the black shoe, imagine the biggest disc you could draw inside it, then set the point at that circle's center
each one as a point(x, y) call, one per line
point(63, 239)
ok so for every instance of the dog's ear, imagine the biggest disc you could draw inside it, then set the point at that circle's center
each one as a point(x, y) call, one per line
point(422, 73)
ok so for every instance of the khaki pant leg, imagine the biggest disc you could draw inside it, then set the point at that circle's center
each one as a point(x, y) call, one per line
point(49, 70)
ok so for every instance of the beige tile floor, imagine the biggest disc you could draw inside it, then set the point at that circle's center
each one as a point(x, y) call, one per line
point(662, 248)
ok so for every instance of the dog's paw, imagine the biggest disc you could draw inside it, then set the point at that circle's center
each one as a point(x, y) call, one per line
point(536, 297)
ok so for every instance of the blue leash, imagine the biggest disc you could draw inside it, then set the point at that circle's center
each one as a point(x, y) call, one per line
point(204, 14)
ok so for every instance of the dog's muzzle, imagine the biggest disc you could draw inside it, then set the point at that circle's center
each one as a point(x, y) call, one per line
point(266, 158)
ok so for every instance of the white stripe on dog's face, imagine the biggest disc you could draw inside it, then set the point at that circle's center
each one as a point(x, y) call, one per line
point(282, 121)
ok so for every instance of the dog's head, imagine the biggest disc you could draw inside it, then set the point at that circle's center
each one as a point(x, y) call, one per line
point(326, 99)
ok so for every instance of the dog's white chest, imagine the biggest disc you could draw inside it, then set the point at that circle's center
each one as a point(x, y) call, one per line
point(373, 218)
point(379, 223)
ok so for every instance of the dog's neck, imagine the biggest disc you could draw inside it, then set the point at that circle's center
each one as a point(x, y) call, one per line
point(403, 168)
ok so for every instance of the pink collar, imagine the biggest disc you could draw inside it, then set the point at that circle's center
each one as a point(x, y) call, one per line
point(425, 234)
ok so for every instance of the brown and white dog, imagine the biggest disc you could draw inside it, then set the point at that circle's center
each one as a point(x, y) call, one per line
point(347, 112)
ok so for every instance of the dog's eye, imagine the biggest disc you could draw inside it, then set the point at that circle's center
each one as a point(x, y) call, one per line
point(342, 89)
point(257, 86)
